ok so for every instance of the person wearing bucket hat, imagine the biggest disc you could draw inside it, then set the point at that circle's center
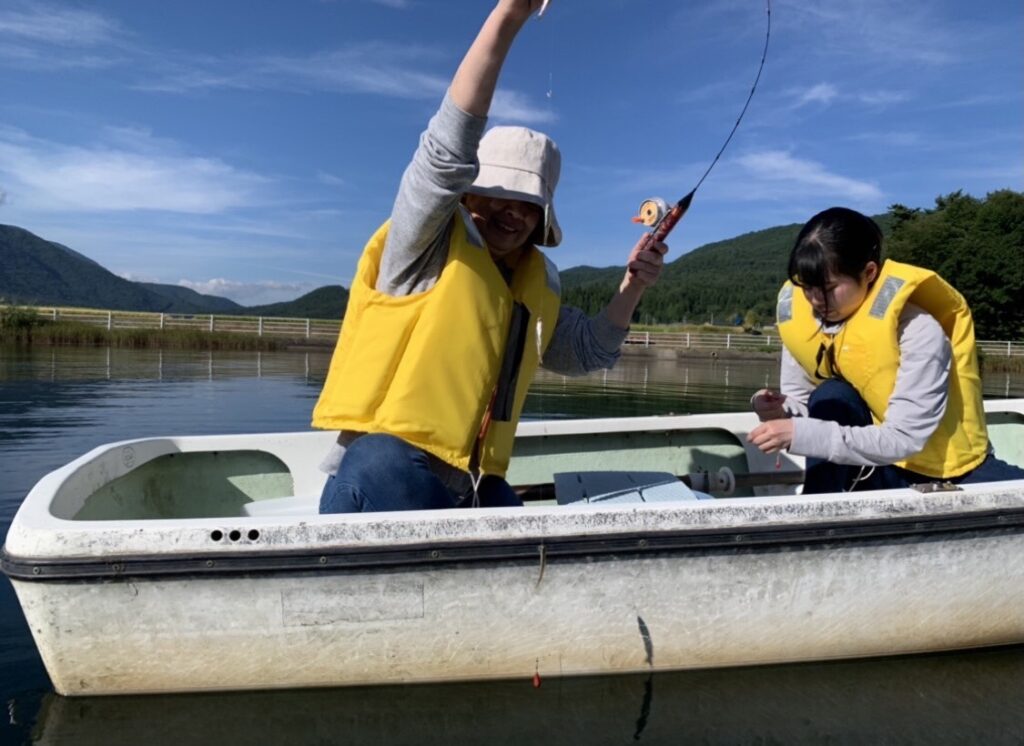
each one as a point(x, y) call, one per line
point(453, 307)
point(517, 163)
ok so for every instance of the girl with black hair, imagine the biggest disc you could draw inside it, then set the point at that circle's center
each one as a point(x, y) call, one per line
point(880, 385)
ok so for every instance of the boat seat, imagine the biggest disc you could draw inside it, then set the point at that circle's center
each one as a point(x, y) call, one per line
point(612, 487)
point(292, 505)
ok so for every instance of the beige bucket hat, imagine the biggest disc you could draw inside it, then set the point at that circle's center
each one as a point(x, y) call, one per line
point(519, 163)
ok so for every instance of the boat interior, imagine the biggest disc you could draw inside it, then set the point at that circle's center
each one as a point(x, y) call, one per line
point(554, 462)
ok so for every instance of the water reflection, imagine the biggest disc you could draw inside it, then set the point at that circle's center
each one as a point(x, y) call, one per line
point(638, 387)
point(667, 384)
point(934, 699)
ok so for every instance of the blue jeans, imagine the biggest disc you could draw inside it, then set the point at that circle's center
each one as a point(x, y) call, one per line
point(381, 472)
point(838, 401)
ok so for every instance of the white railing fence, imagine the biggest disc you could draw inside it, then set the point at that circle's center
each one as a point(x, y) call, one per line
point(254, 325)
point(327, 329)
point(704, 340)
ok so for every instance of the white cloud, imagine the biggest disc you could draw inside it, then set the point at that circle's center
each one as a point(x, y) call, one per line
point(827, 93)
point(329, 179)
point(789, 175)
point(28, 37)
point(27, 57)
point(138, 277)
point(908, 31)
point(41, 36)
point(377, 68)
point(822, 93)
point(145, 174)
point(250, 293)
point(511, 106)
point(50, 24)
point(374, 68)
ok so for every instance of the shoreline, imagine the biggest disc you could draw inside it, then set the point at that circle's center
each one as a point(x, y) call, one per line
point(75, 334)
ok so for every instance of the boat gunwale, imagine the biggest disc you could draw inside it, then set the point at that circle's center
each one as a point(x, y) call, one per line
point(772, 537)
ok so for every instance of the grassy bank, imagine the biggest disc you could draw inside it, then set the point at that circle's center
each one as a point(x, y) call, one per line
point(996, 364)
point(23, 328)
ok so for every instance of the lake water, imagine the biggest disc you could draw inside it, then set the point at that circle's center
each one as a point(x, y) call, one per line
point(57, 404)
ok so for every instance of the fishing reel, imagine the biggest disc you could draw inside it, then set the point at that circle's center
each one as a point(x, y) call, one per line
point(652, 211)
point(722, 482)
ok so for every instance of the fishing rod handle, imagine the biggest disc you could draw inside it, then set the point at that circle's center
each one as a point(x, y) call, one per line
point(667, 223)
point(673, 216)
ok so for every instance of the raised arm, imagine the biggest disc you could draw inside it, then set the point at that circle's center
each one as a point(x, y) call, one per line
point(473, 86)
point(445, 164)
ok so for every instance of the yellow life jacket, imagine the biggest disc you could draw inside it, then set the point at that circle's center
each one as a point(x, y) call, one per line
point(866, 354)
point(426, 367)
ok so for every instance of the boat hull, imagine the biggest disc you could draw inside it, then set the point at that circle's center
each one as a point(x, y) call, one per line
point(610, 609)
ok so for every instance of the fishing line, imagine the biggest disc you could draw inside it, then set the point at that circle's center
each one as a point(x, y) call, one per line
point(757, 79)
point(550, 92)
point(655, 213)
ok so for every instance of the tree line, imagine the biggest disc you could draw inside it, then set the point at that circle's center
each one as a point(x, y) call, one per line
point(975, 244)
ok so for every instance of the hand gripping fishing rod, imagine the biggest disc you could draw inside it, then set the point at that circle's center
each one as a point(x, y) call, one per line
point(655, 212)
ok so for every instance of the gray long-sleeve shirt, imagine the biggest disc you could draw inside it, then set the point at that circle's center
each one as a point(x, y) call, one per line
point(441, 170)
point(916, 406)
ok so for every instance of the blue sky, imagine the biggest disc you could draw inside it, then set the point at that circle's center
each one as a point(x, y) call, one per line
point(249, 149)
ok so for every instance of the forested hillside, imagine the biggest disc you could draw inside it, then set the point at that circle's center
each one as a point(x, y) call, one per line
point(976, 244)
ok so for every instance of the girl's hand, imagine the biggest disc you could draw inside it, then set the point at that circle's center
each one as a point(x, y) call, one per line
point(768, 405)
point(772, 436)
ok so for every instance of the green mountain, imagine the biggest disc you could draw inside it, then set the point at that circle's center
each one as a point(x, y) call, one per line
point(40, 272)
point(328, 302)
point(33, 270)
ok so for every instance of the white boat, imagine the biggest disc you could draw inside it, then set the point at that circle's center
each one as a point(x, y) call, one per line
point(200, 563)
